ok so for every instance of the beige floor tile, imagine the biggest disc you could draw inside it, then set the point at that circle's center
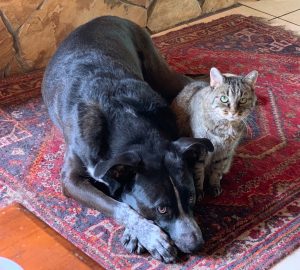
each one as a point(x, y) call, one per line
point(293, 17)
point(290, 262)
point(242, 10)
point(273, 7)
point(286, 25)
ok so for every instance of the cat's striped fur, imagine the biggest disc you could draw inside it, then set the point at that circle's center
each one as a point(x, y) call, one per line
point(217, 110)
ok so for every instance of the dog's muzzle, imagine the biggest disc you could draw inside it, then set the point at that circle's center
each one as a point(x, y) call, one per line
point(187, 235)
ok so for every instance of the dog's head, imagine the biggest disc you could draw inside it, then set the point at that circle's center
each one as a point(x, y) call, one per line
point(160, 187)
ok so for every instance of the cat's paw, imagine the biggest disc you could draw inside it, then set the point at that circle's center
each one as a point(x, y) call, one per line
point(215, 191)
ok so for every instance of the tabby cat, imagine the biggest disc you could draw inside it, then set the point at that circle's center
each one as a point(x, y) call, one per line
point(217, 110)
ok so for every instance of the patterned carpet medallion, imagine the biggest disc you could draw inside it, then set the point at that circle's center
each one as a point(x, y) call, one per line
point(253, 224)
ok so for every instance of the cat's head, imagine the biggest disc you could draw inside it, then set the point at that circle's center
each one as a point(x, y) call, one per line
point(233, 97)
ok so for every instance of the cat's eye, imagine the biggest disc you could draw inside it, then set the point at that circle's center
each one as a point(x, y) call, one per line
point(224, 99)
point(243, 100)
point(162, 209)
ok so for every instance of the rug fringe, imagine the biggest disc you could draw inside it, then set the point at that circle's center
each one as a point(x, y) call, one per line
point(198, 23)
point(277, 27)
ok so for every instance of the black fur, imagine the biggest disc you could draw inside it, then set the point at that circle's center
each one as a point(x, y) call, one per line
point(103, 89)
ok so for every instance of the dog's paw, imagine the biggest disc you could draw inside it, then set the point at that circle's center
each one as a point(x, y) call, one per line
point(215, 191)
point(131, 243)
point(155, 241)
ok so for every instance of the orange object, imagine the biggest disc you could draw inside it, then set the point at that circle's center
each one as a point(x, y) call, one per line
point(32, 244)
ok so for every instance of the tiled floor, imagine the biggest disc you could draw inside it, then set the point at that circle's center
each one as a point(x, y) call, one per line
point(278, 12)
point(284, 13)
point(275, 8)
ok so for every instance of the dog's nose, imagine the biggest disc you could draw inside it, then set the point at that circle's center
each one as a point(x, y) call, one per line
point(193, 242)
point(198, 246)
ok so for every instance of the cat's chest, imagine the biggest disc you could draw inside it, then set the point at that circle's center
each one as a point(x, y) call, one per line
point(223, 148)
point(223, 134)
point(224, 138)
point(225, 141)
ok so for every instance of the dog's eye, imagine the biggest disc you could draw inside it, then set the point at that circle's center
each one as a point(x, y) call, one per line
point(162, 209)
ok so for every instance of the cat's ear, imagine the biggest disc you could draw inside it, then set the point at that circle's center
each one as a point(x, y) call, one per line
point(216, 77)
point(251, 78)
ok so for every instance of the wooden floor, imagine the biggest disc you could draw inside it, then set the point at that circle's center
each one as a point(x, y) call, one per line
point(35, 246)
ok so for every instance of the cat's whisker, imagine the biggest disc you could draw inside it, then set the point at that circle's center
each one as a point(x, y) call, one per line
point(252, 119)
point(206, 113)
point(234, 162)
point(207, 110)
point(251, 122)
point(248, 128)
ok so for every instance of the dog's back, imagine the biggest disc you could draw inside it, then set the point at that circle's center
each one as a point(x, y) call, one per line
point(89, 53)
point(97, 75)
point(125, 51)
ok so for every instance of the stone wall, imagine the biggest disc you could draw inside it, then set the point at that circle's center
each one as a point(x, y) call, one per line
point(164, 14)
point(30, 30)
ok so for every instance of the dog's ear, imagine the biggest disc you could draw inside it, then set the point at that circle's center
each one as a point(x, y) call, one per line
point(118, 171)
point(117, 165)
point(193, 149)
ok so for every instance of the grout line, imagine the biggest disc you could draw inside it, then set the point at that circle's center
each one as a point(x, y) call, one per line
point(279, 17)
point(258, 10)
point(289, 13)
point(284, 20)
point(274, 17)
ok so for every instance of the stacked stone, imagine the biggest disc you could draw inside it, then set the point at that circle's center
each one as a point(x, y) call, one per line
point(30, 30)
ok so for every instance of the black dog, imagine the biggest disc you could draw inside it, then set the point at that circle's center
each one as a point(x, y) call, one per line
point(101, 89)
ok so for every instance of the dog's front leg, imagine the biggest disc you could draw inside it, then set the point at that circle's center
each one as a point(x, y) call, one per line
point(149, 235)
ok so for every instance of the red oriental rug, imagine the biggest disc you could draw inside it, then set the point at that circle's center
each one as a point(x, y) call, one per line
point(252, 225)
